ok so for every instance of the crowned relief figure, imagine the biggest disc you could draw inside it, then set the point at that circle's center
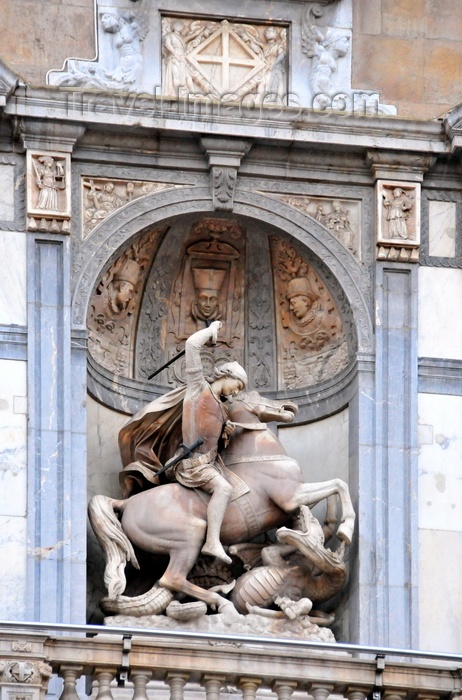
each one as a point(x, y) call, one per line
point(207, 284)
point(122, 287)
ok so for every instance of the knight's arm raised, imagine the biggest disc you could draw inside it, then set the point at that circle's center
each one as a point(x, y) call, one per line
point(194, 344)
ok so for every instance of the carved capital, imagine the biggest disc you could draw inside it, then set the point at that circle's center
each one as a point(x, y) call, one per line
point(399, 165)
point(224, 159)
point(49, 135)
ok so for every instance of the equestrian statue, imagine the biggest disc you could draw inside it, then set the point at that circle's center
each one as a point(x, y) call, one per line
point(207, 486)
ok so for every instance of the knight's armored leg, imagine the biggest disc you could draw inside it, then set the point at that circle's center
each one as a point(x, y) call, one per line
point(221, 493)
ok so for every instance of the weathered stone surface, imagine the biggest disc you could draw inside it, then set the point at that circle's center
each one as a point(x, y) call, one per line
point(251, 624)
point(439, 288)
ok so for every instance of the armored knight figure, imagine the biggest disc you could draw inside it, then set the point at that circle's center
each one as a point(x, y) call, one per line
point(205, 416)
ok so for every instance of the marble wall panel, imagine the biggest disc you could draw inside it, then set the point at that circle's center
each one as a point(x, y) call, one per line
point(7, 190)
point(440, 324)
point(320, 448)
point(13, 287)
point(13, 438)
point(13, 545)
point(440, 593)
point(442, 229)
point(103, 451)
point(440, 477)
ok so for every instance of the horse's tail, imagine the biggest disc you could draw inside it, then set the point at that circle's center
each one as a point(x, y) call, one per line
point(115, 544)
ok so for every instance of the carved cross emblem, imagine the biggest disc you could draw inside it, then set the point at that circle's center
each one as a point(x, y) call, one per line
point(225, 61)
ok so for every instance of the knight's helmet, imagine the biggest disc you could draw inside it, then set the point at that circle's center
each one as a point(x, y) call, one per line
point(233, 370)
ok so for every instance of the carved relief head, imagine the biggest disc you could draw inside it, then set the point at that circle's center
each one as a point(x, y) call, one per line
point(301, 299)
point(123, 285)
point(110, 21)
point(207, 285)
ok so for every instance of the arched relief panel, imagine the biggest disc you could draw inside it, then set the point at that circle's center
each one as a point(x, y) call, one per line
point(252, 292)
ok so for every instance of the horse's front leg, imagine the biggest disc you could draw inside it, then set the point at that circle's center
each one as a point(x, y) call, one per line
point(311, 494)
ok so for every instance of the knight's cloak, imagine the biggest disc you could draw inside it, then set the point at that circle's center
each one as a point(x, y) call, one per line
point(149, 439)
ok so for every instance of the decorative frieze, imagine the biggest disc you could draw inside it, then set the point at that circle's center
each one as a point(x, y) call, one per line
point(102, 196)
point(341, 216)
point(398, 220)
point(48, 191)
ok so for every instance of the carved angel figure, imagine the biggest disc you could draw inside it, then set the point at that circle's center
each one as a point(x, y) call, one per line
point(273, 85)
point(128, 30)
point(325, 50)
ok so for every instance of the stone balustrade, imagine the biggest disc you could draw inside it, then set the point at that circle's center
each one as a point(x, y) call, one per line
point(153, 663)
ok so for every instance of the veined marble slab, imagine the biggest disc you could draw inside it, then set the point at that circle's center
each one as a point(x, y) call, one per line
point(440, 592)
point(13, 545)
point(7, 190)
point(440, 477)
point(13, 438)
point(442, 229)
point(13, 308)
point(440, 324)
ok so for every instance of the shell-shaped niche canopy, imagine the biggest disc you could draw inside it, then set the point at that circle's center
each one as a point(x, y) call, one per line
point(284, 316)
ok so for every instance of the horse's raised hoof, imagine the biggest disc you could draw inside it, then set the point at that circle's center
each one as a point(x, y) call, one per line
point(345, 533)
point(217, 553)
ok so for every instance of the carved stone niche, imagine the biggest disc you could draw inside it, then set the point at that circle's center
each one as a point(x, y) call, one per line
point(284, 316)
point(224, 60)
point(48, 191)
point(398, 220)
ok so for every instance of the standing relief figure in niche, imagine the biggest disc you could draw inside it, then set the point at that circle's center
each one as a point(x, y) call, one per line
point(399, 208)
point(177, 76)
point(272, 88)
point(50, 177)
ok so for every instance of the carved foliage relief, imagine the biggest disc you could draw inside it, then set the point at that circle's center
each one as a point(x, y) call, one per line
point(101, 197)
point(311, 340)
point(113, 309)
point(224, 60)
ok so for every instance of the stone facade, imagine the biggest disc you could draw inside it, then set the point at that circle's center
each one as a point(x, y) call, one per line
point(265, 166)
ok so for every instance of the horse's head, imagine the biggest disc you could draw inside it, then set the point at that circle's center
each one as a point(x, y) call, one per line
point(264, 409)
